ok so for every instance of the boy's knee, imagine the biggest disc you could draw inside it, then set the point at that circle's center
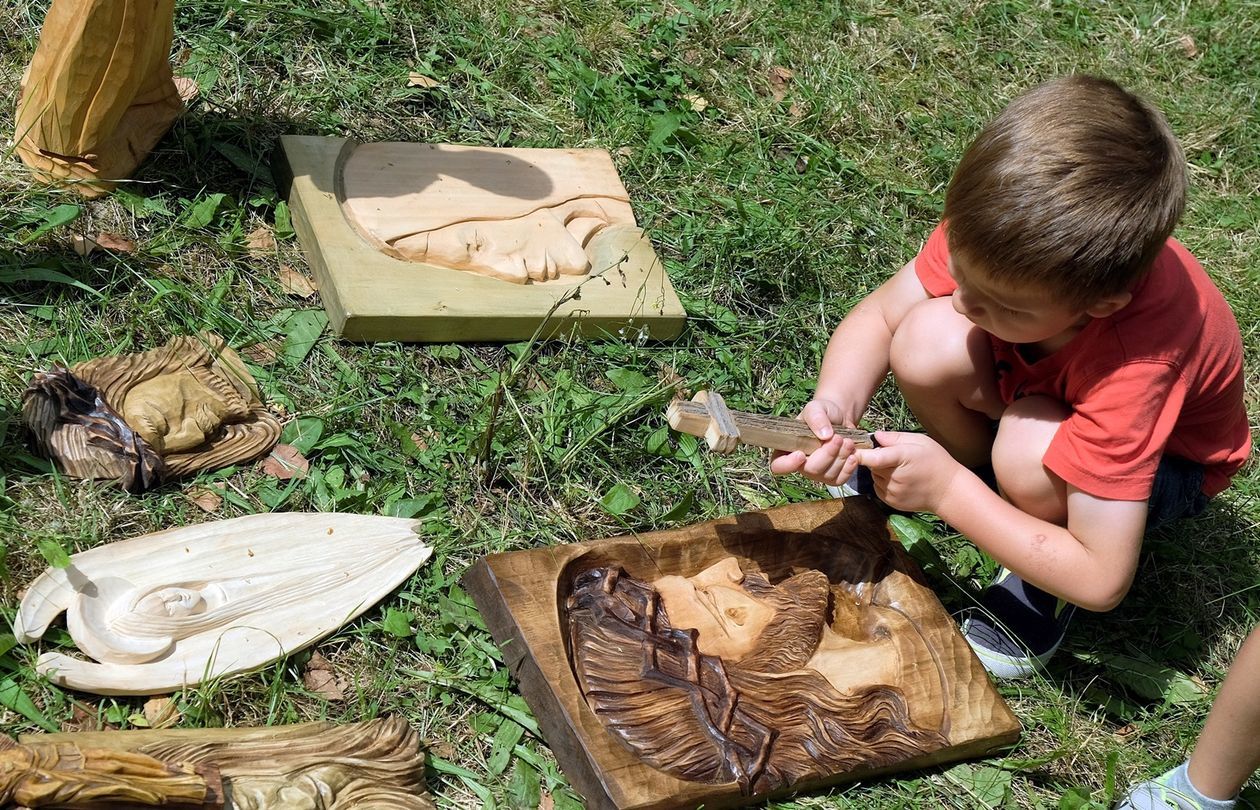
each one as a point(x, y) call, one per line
point(1024, 434)
point(932, 345)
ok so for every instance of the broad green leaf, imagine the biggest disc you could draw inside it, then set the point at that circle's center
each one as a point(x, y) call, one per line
point(414, 507)
point(397, 623)
point(987, 784)
point(29, 274)
point(628, 380)
point(458, 610)
point(445, 351)
point(284, 221)
point(619, 500)
point(301, 331)
point(202, 212)
point(54, 218)
point(303, 433)
point(12, 696)
point(53, 553)
point(681, 509)
point(1078, 799)
point(524, 791)
point(505, 739)
point(1152, 680)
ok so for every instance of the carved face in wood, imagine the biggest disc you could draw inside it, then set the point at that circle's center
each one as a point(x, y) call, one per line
point(520, 215)
point(142, 418)
point(722, 676)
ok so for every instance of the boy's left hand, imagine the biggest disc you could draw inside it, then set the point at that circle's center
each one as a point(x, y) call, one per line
point(911, 471)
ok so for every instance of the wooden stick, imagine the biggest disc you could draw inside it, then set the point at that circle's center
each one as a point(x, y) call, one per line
point(707, 415)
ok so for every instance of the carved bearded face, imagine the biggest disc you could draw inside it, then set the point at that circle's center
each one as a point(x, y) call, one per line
point(174, 412)
point(728, 618)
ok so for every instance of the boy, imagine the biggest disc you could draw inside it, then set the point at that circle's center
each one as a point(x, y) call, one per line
point(1049, 327)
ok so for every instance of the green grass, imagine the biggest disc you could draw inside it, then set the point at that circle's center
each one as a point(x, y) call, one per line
point(772, 216)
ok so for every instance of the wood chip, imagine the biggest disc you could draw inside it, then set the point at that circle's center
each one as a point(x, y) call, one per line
point(285, 462)
point(420, 80)
point(161, 712)
point(698, 102)
point(260, 242)
point(296, 284)
point(206, 498)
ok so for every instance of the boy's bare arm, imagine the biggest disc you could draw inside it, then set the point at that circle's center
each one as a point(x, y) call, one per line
point(855, 363)
point(1089, 563)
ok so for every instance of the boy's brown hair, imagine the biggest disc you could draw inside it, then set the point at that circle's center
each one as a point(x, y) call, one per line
point(1075, 186)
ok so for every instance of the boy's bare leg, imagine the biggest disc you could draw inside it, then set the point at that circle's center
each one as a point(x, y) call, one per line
point(1227, 753)
point(943, 364)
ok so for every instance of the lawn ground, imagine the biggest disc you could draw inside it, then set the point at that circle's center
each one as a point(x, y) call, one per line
point(784, 157)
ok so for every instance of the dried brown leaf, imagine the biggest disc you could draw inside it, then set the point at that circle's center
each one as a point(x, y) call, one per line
point(260, 241)
point(321, 679)
point(780, 78)
point(420, 80)
point(161, 712)
point(295, 283)
point(206, 498)
point(1188, 46)
point(83, 717)
point(796, 110)
point(116, 242)
point(285, 462)
point(546, 802)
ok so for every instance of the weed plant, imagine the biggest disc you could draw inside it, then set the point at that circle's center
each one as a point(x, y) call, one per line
point(784, 157)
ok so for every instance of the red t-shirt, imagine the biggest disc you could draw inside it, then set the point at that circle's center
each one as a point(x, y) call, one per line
point(1162, 374)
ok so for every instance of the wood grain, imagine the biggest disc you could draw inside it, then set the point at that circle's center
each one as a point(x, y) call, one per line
point(772, 432)
point(371, 296)
point(522, 597)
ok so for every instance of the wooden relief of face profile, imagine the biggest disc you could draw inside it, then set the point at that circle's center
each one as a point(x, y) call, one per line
point(521, 215)
point(168, 610)
point(144, 418)
point(98, 94)
point(313, 766)
point(739, 659)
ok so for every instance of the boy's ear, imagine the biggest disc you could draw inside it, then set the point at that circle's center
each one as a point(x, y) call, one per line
point(1109, 305)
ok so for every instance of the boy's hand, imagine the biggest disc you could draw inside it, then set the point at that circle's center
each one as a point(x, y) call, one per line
point(833, 462)
point(911, 471)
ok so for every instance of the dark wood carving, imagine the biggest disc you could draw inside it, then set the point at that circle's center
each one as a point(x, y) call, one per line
point(140, 419)
point(739, 659)
point(320, 766)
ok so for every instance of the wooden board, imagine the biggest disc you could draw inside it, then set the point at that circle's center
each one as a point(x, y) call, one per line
point(371, 296)
point(532, 607)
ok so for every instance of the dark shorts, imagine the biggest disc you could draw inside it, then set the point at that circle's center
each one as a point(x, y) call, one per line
point(1176, 493)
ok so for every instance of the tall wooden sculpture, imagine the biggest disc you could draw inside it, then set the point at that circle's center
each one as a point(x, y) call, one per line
point(724, 663)
point(98, 94)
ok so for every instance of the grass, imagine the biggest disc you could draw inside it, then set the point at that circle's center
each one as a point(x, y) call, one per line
point(775, 208)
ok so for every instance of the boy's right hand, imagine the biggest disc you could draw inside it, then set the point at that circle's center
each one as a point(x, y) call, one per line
point(832, 463)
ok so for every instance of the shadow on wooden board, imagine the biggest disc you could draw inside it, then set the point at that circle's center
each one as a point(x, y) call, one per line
point(740, 659)
point(435, 242)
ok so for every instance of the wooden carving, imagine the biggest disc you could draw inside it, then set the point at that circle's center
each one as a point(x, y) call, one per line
point(520, 215)
point(740, 659)
point(706, 415)
point(171, 609)
point(436, 242)
point(98, 94)
point(144, 418)
point(69, 774)
point(314, 766)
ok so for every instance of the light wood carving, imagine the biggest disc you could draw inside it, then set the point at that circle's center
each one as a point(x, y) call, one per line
point(706, 415)
point(68, 773)
point(377, 765)
point(98, 94)
point(526, 218)
point(171, 609)
point(736, 660)
point(140, 419)
point(519, 215)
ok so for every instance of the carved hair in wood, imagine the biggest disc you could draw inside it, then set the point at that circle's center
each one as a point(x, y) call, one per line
point(140, 419)
point(98, 94)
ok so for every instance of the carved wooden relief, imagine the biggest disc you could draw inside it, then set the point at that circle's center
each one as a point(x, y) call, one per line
point(140, 419)
point(314, 766)
point(438, 242)
point(739, 659)
point(98, 94)
point(171, 609)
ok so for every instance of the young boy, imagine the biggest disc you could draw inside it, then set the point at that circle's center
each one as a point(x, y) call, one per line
point(1049, 327)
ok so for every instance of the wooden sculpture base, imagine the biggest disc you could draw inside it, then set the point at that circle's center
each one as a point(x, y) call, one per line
point(667, 669)
point(373, 296)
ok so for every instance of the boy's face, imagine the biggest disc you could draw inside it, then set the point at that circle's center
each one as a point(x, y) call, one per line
point(1012, 313)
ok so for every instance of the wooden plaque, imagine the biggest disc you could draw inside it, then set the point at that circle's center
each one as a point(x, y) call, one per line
point(371, 295)
point(667, 716)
